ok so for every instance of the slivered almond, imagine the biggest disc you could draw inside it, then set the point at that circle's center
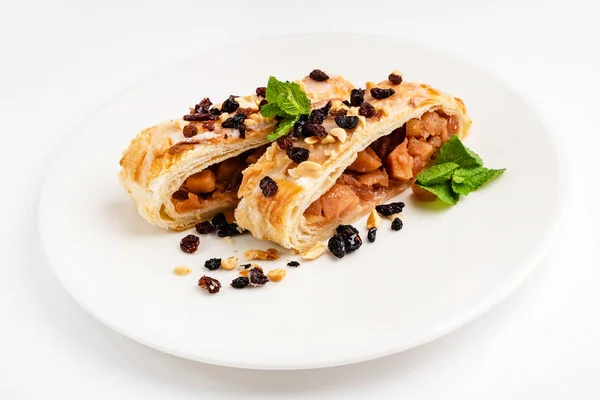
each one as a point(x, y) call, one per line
point(310, 169)
point(328, 140)
point(314, 252)
point(311, 140)
point(374, 220)
point(339, 133)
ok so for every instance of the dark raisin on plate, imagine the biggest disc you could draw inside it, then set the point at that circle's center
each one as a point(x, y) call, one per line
point(189, 244)
point(390, 209)
point(231, 229)
point(211, 284)
point(352, 240)
point(204, 228)
point(293, 264)
point(395, 79)
point(212, 264)
point(372, 235)
point(230, 105)
point(268, 186)
point(378, 93)
point(366, 110)
point(346, 122)
point(298, 154)
point(336, 245)
point(219, 221)
point(357, 96)
point(397, 224)
point(318, 75)
point(240, 283)
point(257, 277)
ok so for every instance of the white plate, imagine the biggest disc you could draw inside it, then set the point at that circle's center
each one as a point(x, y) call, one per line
point(446, 267)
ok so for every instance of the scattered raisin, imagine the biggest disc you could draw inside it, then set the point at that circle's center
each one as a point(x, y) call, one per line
point(352, 240)
point(293, 264)
point(297, 131)
point(190, 130)
point(230, 105)
point(227, 230)
point(366, 110)
point(268, 186)
point(240, 283)
point(245, 266)
point(189, 244)
point(257, 277)
point(298, 154)
point(242, 130)
point(211, 284)
point(390, 209)
point(215, 111)
point(318, 75)
point(204, 228)
point(357, 96)
point(346, 102)
point(397, 224)
point(261, 91)
point(262, 103)
point(395, 79)
point(336, 245)
point(219, 221)
point(212, 264)
point(209, 126)
point(199, 117)
point(310, 129)
point(379, 93)
point(318, 115)
point(285, 142)
point(346, 122)
point(203, 106)
point(372, 234)
point(235, 121)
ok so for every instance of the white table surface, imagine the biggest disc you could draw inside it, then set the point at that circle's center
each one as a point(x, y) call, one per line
point(61, 60)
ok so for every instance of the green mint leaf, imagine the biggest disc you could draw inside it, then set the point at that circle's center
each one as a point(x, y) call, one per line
point(293, 100)
point(455, 151)
point(270, 110)
point(443, 191)
point(283, 128)
point(437, 174)
point(465, 181)
point(274, 89)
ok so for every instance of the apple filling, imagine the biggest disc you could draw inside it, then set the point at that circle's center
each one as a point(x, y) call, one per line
point(217, 183)
point(385, 168)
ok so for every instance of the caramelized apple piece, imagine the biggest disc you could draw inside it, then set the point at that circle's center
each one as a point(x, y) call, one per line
point(338, 200)
point(192, 203)
point(366, 161)
point(400, 163)
point(201, 182)
point(378, 177)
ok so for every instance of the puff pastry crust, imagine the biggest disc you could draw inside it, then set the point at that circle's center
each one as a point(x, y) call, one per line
point(281, 217)
point(160, 158)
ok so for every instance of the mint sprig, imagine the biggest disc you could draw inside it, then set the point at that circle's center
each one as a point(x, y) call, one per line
point(285, 100)
point(457, 171)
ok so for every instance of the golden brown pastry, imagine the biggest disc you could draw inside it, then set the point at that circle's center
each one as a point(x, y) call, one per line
point(184, 171)
point(353, 168)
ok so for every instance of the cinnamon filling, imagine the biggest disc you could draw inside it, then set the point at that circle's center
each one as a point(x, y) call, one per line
point(388, 165)
point(217, 183)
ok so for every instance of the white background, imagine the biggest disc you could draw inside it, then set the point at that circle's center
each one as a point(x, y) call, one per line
point(61, 60)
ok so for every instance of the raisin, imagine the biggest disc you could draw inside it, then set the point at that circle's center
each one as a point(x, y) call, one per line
point(209, 126)
point(366, 110)
point(298, 154)
point(242, 130)
point(352, 240)
point(229, 105)
point(204, 228)
point(357, 96)
point(293, 264)
point(211, 284)
point(190, 130)
point(245, 266)
point(314, 130)
point(346, 102)
point(229, 230)
point(397, 224)
point(379, 93)
point(372, 234)
point(219, 221)
point(336, 245)
point(257, 277)
point(261, 91)
point(390, 209)
point(395, 79)
point(262, 103)
point(199, 117)
point(215, 111)
point(318, 75)
point(189, 244)
point(268, 186)
point(203, 106)
point(318, 115)
point(298, 126)
point(285, 142)
point(212, 264)
point(346, 122)
point(235, 121)
point(240, 283)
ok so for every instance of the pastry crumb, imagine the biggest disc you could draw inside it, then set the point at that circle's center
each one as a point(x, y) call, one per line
point(314, 252)
point(269, 254)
